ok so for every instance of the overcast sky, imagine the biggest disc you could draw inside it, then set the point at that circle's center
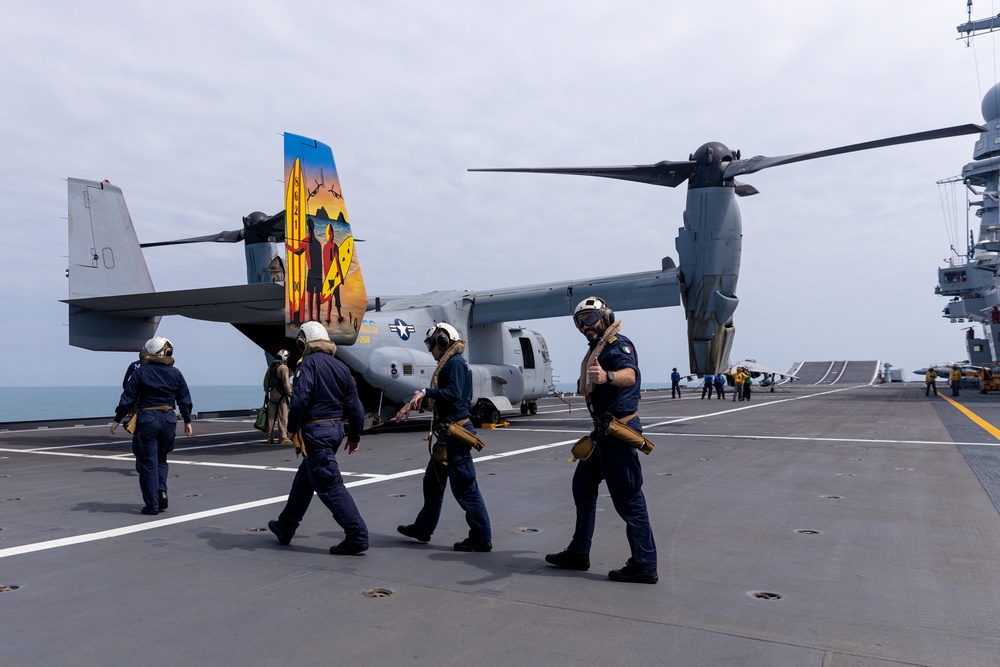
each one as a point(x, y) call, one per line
point(182, 105)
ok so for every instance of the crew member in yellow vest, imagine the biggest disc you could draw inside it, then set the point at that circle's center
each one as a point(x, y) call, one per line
point(954, 378)
point(930, 382)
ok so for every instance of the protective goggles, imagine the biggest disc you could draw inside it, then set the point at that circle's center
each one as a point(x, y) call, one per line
point(586, 318)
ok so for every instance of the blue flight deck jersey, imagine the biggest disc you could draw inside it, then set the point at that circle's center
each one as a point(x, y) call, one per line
point(324, 389)
point(153, 384)
point(619, 353)
point(453, 395)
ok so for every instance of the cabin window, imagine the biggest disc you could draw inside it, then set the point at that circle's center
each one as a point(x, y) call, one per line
point(952, 277)
point(527, 353)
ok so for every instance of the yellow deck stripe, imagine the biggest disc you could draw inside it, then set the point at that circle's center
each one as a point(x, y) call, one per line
point(982, 423)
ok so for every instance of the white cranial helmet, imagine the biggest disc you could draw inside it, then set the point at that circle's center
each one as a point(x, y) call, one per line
point(309, 332)
point(158, 345)
point(590, 310)
point(441, 334)
point(283, 355)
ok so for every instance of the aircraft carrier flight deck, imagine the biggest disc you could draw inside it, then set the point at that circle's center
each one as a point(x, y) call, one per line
point(846, 525)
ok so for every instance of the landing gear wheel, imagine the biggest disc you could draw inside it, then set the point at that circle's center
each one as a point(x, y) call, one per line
point(524, 408)
point(492, 415)
point(533, 408)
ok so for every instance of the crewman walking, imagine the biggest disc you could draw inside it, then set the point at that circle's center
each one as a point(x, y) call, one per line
point(610, 381)
point(278, 387)
point(450, 394)
point(151, 392)
point(930, 382)
point(323, 396)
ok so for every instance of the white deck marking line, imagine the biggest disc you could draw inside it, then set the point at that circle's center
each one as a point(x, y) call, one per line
point(211, 464)
point(819, 439)
point(124, 441)
point(129, 458)
point(159, 523)
point(184, 518)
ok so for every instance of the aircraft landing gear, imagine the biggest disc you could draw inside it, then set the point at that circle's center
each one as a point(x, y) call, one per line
point(529, 407)
point(484, 412)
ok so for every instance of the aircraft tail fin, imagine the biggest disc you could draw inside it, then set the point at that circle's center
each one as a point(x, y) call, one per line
point(104, 260)
point(323, 279)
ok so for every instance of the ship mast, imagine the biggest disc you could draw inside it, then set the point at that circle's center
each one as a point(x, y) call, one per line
point(974, 285)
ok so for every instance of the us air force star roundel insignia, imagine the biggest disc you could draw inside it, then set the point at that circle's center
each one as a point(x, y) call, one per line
point(402, 329)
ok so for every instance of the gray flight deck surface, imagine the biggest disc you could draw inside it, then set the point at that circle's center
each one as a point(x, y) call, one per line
point(898, 564)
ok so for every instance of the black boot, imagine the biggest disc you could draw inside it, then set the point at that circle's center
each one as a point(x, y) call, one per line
point(569, 560)
point(634, 574)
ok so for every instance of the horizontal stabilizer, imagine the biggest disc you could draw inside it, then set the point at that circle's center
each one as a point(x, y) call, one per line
point(259, 303)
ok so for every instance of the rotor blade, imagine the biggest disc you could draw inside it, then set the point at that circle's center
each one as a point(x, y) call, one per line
point(759, 162)
point(670, 174)
point(233, 236)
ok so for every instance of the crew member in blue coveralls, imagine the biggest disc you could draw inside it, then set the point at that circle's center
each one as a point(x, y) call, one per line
point(131, 369)
point(323, 396)
point(720, 385)
point(675, 384)
point(708, 386)
point(610, 381)
point(450, 394)
point(152, 389)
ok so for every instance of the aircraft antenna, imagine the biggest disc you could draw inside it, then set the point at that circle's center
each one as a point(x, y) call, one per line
point(970, 27)
point(948, 195)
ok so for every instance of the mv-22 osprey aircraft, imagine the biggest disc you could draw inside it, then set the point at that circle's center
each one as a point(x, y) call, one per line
point(301, 265)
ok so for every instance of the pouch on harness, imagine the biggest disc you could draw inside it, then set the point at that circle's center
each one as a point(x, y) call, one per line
point(132, 418)
point(620, 430)
point(456, 431)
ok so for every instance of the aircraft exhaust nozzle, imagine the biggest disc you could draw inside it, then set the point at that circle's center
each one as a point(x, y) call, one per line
point(723, 307)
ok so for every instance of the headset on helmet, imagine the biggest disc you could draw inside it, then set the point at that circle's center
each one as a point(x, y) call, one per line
point(310, 331)
point(592, 304)
point(441, 334)
point(158, 345)
point(283, 355)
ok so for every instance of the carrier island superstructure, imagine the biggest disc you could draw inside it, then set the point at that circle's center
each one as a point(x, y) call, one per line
point(973, 282)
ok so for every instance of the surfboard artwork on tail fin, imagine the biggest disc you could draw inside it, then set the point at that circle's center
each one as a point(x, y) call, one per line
point(323, 281)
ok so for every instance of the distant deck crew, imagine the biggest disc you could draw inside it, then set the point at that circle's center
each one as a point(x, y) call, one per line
point(708, 386)
point(720, 385)
point(610, 381)
point(323, 397)
point(131, 369)
point(738, 379)
point(278, 388)
point(930, 382)
point(451, 460)
point(675, 384)
point(954, 379)
point(151, 391)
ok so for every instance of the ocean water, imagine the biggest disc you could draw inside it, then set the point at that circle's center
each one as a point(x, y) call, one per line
point(36, 403)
